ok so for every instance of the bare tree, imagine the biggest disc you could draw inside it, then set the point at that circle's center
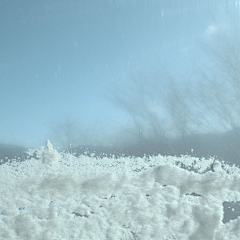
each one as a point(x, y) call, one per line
point(179, 107)
point(71, 134)
point(137, 100)
point(161, 106)
point(219, 86)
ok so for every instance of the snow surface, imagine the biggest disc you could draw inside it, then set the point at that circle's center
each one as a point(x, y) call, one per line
point(60, 196)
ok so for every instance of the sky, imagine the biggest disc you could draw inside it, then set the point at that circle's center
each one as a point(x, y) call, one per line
point(61, 196)
point(59, 59)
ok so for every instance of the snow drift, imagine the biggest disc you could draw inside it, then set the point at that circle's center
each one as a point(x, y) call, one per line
point(60, 196)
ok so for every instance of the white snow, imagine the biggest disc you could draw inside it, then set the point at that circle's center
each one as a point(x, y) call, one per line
point(50, 155)
point(60, 196)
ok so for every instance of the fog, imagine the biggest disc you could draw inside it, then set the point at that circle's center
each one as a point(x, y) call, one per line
point(120, 80)
point(64, 65)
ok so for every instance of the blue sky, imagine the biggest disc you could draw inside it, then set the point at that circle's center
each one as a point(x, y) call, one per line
point(59, 58)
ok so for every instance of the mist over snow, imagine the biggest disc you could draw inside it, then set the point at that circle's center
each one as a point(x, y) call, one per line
point(60, 196)
point(126, 91)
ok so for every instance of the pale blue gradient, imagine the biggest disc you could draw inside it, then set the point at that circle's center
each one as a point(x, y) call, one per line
point(59, 58)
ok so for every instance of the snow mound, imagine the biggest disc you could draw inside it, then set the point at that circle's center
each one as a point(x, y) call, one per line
point(50, 155)
point(66, 197)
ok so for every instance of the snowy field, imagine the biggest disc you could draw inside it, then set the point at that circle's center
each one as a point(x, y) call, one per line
point(60, 196)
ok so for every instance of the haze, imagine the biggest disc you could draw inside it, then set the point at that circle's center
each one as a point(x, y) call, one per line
point(61, 61)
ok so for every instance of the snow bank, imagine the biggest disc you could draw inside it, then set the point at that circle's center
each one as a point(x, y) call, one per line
point(66, 197)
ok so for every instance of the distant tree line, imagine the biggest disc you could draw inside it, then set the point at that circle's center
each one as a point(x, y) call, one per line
point(8, 152)
point(199, 114)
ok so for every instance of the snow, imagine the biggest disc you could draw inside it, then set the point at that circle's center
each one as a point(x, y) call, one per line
point(61, 196)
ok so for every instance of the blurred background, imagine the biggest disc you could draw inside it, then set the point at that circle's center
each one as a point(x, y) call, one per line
point(119, 76)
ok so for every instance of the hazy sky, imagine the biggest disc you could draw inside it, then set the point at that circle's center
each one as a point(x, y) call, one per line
point(59, 58)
